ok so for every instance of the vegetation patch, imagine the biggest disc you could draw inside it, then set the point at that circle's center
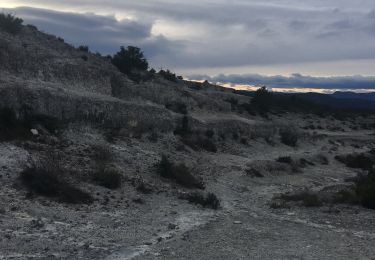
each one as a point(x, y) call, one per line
point(285, 159)
point(179, 173)
point(308, 199)
point(108, 177)
point(105, 174)
point(289, 136)
point(209, 200)
point(13, 126)
point(359, 161)
point(177, 107)
point(47, 179)
point(10, 23)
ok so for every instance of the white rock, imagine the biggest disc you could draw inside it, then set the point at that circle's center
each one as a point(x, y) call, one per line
point(237, 222)
point(34, 132)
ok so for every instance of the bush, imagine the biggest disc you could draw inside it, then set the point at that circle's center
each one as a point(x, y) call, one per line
point(107, 177)
point(289, 136)
point(184, 128)
point(9, 23)
point(83, 48)
point(197, 142)
point(166, 74)
point(105, 174)
point(177, 107)
point(16, 127)
point(307, 198)
point(130, 59)
point(209, 133)
point(359, 161)
point(209, 200)
point(102, 153)
point(46, 179)
point(180, 173)
point(285, 159)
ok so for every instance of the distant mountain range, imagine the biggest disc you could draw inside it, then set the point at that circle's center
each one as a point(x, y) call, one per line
point(341, 100)
point(337, 100)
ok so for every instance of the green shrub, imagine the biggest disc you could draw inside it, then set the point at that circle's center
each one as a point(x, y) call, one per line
point(47, 179)
point(9, 23)
point(359, 161)
point(183, 128)
point(102, 153)
point(107, 177)
point(289, 136)
point(177, 107)
point(308, 199)
point(166, 74)
point(209, 200)
point(83, 48)
point(285, 159)
point(209, 133)
point(130, 59)
point(180, 173)
point(197, 142)
point(13, 126)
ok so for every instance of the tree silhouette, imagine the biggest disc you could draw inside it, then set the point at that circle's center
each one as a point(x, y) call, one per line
point(129, 59)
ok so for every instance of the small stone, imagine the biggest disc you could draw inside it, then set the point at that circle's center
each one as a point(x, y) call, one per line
point(237, 222)
point(172, 226)
point(34, 132)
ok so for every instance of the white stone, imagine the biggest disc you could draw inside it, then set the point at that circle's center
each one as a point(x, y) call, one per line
point(34, 132)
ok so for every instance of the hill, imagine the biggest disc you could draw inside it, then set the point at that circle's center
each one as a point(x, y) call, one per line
point(95, 165)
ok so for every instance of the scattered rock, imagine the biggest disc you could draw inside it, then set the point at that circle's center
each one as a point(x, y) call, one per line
point(172, 226)
point(37, 223)
point(34, 132)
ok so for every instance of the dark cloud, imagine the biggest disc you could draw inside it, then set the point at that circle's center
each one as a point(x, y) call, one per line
point(294, 81)
point(216, 33)
point(102, 33)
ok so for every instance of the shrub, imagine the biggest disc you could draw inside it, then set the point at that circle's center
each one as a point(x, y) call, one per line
point(180, 173)
point(83, 48)
point(84, 57)
point(177, 107)
point(15, 127)
point(129, 59)
point(359, 161)
point(254, 173)
point(107, 177)
point(9, 23)
point(143, 187)
point(197, 142)
point(105, 174)
point(209, 133)
point(289, 136)
point(46, 179)
point(209, 200)
point(244, 141)
point(262, 99)
point(233, 103)
point(285, 159)
point(184, 128)
point(166, 74)
point(102, 153)
point(153, 137)
point(308, 199)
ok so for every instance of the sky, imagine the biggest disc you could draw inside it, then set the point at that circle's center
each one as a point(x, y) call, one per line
point(312, 44)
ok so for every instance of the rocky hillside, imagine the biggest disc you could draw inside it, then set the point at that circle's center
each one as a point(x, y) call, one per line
point(96, 166)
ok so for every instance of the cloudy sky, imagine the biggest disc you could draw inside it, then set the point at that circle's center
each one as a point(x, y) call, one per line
point(295, 43)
